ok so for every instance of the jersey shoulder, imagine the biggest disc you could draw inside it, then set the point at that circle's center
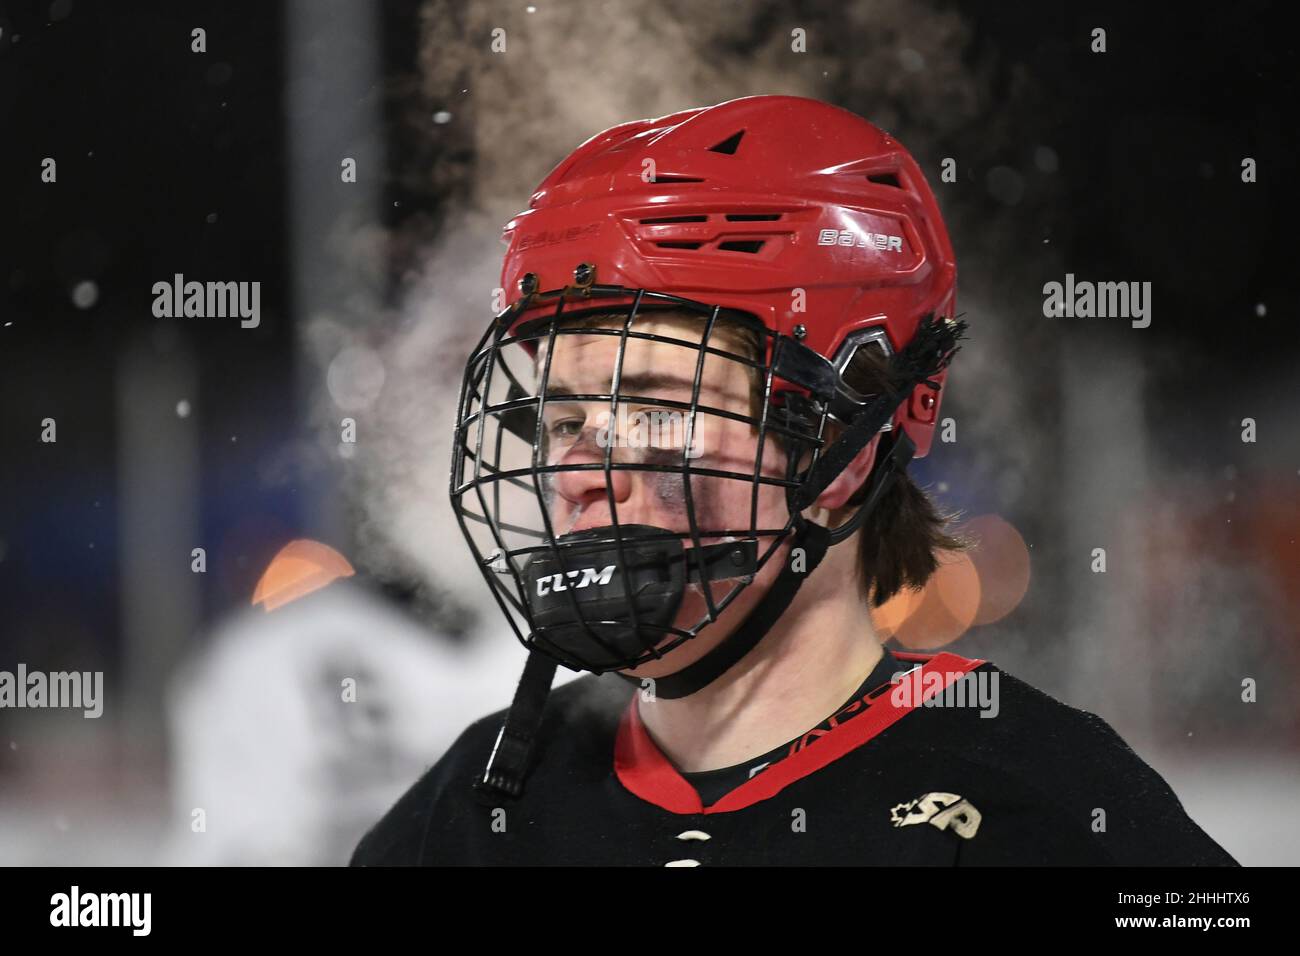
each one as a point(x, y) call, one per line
point(1081, 771)
point(579, 716)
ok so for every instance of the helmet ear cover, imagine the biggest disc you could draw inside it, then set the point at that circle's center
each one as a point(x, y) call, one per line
point(928, 353)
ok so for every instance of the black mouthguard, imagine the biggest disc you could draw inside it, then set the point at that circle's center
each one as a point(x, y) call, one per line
point(579, 598)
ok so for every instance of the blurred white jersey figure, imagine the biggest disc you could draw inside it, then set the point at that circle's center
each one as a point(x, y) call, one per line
point(306, 717)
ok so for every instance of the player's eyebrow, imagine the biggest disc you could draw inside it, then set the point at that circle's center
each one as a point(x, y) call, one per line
point(636, 383)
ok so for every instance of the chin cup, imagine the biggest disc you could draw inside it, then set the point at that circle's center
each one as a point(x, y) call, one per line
point(601, 599)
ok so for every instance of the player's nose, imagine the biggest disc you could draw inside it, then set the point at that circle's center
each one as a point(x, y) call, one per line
point(589, 489)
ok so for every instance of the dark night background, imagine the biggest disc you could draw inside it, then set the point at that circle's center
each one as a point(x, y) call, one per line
point(172, 161)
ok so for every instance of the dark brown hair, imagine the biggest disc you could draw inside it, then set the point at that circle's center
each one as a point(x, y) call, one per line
point(899, 540)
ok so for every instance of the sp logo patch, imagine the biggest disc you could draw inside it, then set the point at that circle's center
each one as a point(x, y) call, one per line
point(947, 811)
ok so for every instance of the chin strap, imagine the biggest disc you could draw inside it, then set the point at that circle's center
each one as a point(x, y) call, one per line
point(508, 765)
point(897, 454)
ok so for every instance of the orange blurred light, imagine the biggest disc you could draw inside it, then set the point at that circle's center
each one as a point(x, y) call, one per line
point(947, 607)
point(300, 567)
point(1002, 561)
point(889, 617)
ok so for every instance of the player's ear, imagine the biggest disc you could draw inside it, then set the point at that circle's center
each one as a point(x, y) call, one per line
point(839, 491)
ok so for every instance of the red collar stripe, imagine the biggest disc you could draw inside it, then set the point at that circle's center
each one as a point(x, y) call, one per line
point(644, 770)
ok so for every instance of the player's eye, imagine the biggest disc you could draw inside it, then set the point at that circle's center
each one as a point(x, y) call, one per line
point(565, 428)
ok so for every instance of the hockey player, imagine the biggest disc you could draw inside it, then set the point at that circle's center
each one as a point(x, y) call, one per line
point(680, 464)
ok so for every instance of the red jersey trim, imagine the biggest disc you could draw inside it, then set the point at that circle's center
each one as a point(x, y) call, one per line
point(644, 770)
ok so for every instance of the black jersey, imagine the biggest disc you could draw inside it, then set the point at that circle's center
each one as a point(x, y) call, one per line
point(956, 763)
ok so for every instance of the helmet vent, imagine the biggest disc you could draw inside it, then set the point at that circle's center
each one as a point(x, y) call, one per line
point(885, 179)
point(753, 216)
point(676, 179)
point(741, 245)
point(678, 245)
point(661, 220)
point(729, 144)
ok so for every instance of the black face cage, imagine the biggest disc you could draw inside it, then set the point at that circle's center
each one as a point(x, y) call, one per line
point(499, 469)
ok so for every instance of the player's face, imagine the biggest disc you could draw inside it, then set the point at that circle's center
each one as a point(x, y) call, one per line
point(644, 430)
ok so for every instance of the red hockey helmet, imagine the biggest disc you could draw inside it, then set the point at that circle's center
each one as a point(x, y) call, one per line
point(793, 210)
